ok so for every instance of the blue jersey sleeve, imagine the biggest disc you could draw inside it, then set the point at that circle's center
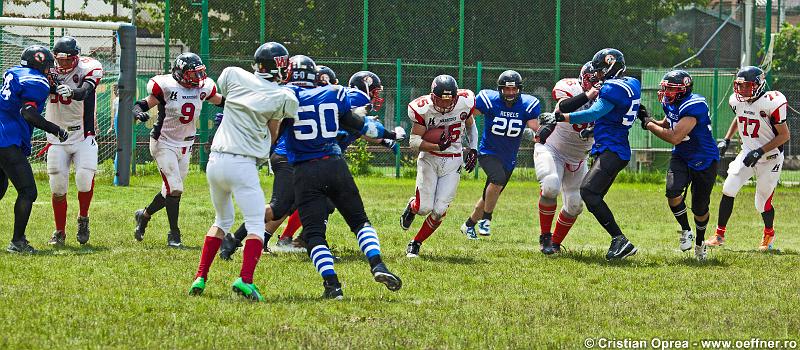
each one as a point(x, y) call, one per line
point(357, 98)
point(482, 102)
point(694, 107)
point(533, 109)
point(615, 93)
point(600, 108)
point(34, 88)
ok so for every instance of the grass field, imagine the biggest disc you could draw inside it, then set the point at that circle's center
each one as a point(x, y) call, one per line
point(496, 292)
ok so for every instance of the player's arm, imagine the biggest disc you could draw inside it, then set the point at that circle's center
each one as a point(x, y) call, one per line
point(674, 135)
point(417, 143)
point(274, 126)
point(141, 107)
point(357, 119)
point(217, 100)
point(472, 132)
point(597, 110)
point(572, 104)
point(782, 135)
point(84, 90)
point(31, 114)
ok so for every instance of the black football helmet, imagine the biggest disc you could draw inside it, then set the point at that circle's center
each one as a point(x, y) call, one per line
point(270, 61)
point(676, 85)
point(39, 58)
point(370, 84)
point(509, 79)
point(326, 76)
point(444, 93)
point(66, 51)
point(587, 77)
point(189, 70)
point(750, 84)
point(608, 64)
point(302, 71)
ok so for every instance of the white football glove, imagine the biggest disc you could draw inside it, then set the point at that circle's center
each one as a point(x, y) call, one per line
point(528, 134)
point(64, 90)
point(400, 132)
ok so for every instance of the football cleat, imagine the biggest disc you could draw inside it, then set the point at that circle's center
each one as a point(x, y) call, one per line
point(546, 243)
point(83, 229)
point(700, 252)
point(484, 227)
point(716, 241)
point(408, 216)
point(470, 232)
point(58, 239)
point(620, 248)
point(413, 249)
point(766, 243)
point(141, 224)
point(287, 245)
point(20, 247)
point(229, 246)
point(557, 248)
point(332, 291)
point(174, 239)
point(247, 290)
point(686, 240)
point(198, 286)
point(390, 280)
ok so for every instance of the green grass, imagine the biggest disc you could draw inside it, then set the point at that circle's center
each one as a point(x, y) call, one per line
point(496, 292)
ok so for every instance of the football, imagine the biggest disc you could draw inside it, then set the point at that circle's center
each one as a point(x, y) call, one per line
point(433, 135)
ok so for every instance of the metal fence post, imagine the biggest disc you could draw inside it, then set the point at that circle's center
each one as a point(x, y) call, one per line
point(52, 16)
point(204, 114)
point(768, 37)
point(478, 75)
point(262, 34)
point(398, 111)
point(364, 36)
point(557, 63)
point(167, 18)
point(461, 40)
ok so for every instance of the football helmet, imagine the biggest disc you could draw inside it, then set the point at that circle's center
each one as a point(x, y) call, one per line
point(749, 84)
point(509, 81)
point(675, 86)
point(370, 84)
point(189, 70)
point(39, 58)
point(66, 51)
point(270, 61)
point(302, 71)
point(444, 93)
point(326, 76)
point(587, 77)
point(608, 64)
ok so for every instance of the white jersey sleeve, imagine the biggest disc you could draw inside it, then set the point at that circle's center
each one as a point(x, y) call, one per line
point(566, 88)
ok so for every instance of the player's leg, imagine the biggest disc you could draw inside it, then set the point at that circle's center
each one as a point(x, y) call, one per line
point(496, 179)
point(767, 176)
point(571, 179)
point(3, 184)
point(85, 159)
point(738, 175)
point(309, 183)
point(345, 196)
point(16, 168)
point(221, 197)
point(422, 202)
point(250, 198)
point(142, 216)
point(172, 201)
point(678, 178)
point(702, 185)
point(549, 172)
point(58, 160)
point(446, 188)
point(595, 185)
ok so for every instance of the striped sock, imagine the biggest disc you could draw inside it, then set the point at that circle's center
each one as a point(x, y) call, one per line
point(323, 260)
point(368, 241)
point(563, 225)
point(546, 215)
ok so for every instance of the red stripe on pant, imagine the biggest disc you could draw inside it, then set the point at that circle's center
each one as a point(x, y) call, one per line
point(166, 183)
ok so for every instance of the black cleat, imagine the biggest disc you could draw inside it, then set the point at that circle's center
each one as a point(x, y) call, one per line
point(59, 238)
point(557, 248)
point(408, 216)
point(332, 291)
point(20, 247)
point(620, 248)
point(83, 230)
point(229, 246)
point(390, 280)
point(141, 224)
point(174, 239)
point(546, 243)
point(412, 251)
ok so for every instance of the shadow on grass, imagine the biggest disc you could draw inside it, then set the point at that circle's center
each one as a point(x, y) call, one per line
point(769, 252)
point(458, 260)
point(596, 257)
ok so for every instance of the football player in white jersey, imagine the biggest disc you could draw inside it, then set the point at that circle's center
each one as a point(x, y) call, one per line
point(72, 107)
point(561, 162)
point(254, 106)
point(439, 164)
point(760, 117)
point(179, 97)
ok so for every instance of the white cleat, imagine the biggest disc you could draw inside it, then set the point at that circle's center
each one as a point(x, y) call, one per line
point(686, 240)
point(484, 227)
point(700, 252)
point(470, 232)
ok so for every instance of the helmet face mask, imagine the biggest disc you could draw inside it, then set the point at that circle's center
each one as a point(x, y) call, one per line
point(675, 86)
point(326, 76)
point(370, 84)
point(67, 53)
point(588, 77)
point(749, 84)
point(444, 93)
point(189, 71)
point(66, 63)
point(509, 85)
point(443, 104)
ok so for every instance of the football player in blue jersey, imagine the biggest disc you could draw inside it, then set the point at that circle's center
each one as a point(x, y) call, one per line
point(507, 112)
point(321, 173)
point(23, 95)
point(687, 125)
point(613, 113)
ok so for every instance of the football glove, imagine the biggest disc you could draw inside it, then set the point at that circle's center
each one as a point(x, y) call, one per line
point(752, 157)
point(544, 132)
point(400, 133)
point(444, 140)
point(471, 161)
point(391, 144)
point(586, 134)
point(550, 118)
point(64, 90)
point(63, 135)
point(723, 145)
point(528, 134)
point(139, 114)
point(643, 116)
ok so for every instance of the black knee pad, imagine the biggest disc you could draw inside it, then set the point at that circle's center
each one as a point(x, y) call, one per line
point(700, 211)
point(28, 193)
